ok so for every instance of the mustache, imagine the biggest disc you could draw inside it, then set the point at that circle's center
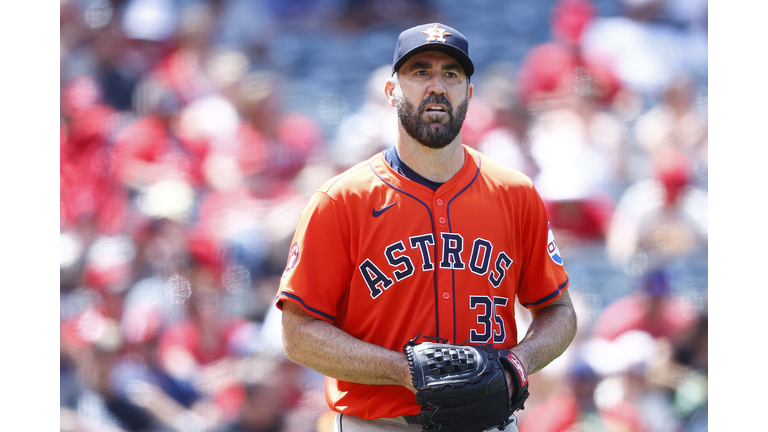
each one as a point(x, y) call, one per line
point(435, 99)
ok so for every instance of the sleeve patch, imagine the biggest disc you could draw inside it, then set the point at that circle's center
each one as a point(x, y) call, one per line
point(552, 249)
point(293, 259)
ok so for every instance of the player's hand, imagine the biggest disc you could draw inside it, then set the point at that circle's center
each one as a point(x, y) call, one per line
point(508, 375)
point(509, 388)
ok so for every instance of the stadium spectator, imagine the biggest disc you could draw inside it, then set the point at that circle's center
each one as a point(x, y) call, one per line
point(201, 338)
point(644, 52)
point(634, 354)
point(95, 405)
point(149, 28)
point(561, 66)
point(231, 230)
point(581, 153)
point(273, 144)
point(652, 309)
point(182, 69)
point(104, 60)
point(91, 193)
point(211, 120)
point(576, 409)
point(660, 218)
point(142, 327)
point(366, 131)
point(150, 149)
point(199, 347)
point(505, 138)
point(260, 411)
point(577, 143)
point(690, 361)
point(676, 123)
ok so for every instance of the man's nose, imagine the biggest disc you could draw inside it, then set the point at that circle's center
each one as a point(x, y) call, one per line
point(436, 85)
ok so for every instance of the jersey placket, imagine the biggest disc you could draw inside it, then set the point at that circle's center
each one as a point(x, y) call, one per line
point(444, 264)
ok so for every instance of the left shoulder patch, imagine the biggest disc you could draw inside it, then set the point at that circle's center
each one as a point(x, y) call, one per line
point(293, 259)
point(552, 249)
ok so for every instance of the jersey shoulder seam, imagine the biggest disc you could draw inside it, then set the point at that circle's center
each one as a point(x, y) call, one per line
point(326, 191)
point(326, 188)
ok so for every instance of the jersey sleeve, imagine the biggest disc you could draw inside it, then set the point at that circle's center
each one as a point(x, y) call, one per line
point(318, 270)
point(543, 277)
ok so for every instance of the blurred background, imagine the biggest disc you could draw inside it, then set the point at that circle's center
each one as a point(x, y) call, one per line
point(192, 133)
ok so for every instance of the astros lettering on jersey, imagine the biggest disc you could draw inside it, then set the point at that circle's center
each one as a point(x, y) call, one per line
point(385, 258)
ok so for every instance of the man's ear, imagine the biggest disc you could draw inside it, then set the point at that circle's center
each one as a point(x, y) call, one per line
point(471, 91)
point(389, 91)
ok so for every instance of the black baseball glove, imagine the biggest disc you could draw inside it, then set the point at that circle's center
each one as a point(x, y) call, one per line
point(462, 388)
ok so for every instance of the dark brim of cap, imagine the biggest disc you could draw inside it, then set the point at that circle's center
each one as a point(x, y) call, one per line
point(463, 59)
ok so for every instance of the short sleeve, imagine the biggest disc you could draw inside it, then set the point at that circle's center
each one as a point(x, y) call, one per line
point(543, 276)
point(318, 269)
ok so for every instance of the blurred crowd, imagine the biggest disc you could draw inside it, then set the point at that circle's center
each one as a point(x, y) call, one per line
point(187, 154)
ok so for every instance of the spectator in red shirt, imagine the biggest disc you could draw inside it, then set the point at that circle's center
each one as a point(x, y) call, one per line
point(577, 410)
point(90, 191)
point(151, 149)
point(274, 145)
point(652, 309)
point(559, 67)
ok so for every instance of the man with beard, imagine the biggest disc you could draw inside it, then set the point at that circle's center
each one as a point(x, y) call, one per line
point(426, 238)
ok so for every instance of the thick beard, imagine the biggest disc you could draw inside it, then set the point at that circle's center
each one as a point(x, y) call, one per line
point(431, 134)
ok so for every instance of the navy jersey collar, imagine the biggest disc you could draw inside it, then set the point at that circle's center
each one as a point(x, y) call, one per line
point(393, 159)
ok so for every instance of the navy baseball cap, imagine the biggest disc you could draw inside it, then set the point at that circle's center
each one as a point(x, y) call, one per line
point(432, 37)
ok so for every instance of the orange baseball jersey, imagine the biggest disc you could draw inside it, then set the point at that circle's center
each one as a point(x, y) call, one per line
point(385, 258)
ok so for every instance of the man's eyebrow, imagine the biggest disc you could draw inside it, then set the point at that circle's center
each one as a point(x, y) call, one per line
point(420, 65)
point(427, 65)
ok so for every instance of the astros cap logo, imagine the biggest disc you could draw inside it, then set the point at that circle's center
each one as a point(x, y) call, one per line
point(436, 34)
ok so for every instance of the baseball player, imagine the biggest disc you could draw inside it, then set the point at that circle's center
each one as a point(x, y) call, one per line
point(420, 251)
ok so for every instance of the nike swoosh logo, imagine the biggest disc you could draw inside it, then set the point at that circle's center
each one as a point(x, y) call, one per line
point(377, 213)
